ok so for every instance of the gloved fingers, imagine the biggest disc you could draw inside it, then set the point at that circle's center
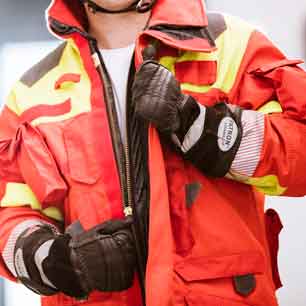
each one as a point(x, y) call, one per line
point(148, 76)
point(127, 258)
point(59, 270)
point(115, 225)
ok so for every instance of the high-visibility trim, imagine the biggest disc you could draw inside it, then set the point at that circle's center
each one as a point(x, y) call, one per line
point(9, 248)
point(18, 194)
point(11, 103)
point(271, 107)
point(45, 91)
point(195, 88)
point(53, 213)
point(268, 185)
point(197, 56)
point(168, 62)
point(231, 46)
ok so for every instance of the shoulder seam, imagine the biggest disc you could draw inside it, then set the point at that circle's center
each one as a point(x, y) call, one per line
point(44, 66)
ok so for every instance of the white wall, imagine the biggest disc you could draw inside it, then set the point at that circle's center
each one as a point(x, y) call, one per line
point(286, 25)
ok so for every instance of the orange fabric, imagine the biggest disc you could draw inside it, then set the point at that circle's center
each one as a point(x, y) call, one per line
point(194, 253)
point(273, 228)
point(188, 72)
point(265, 74)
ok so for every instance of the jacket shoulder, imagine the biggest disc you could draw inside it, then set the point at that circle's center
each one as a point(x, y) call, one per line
point(44, 66)
point(216, 24)
point(219, 23)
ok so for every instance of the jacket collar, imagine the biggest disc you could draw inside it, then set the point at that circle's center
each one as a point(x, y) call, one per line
point(167, 12)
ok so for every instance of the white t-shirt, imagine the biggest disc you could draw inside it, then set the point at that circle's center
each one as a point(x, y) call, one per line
point(117, 62)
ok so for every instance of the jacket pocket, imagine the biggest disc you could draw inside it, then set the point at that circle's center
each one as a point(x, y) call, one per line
point(273, 229)
point(196, 72)
point(202, 300)
point(224, 280)
point(264, 69)
point(83, 154)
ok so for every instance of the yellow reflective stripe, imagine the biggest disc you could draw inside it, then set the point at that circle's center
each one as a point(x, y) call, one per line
point(268, 185)
point(11, 103)
point(197, 56)
point(271, 107)
point(195, 88)
point(168, 62)
point(18, 194)
point(43, 91)
point(231, 47)
point(53, 213)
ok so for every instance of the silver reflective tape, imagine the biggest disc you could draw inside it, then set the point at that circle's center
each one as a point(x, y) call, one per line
point(21, 269)
point(40, 255)
point(195, 131)
point(8, 251)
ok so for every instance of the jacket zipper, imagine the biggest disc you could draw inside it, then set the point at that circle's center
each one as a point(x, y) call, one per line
point(122, 154)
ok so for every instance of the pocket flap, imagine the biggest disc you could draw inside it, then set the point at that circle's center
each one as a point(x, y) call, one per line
point(196, 72)
point(271, 66)
point(205, 268)
point(83, 148)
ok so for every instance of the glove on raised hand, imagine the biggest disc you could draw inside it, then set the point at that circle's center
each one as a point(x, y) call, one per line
point(158, 99)
point(208, 137)
point(102, 258)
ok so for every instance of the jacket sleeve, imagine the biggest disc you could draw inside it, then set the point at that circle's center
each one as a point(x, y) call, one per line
point(272, 91)
point(20, 207)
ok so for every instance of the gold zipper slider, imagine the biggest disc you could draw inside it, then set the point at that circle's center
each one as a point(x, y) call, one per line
point(128, 211)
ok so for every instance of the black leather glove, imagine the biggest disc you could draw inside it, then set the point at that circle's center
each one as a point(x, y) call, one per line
point(208, 137)
point(102, 258)
point(158, 99)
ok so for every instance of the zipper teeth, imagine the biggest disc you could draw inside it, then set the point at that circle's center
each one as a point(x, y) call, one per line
point(123, 161)
point(129, 207)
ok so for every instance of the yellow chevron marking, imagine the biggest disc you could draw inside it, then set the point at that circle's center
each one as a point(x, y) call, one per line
point(18, 194)
point(23, 98)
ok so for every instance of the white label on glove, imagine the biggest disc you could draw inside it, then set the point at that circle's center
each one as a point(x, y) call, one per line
point(227, 134)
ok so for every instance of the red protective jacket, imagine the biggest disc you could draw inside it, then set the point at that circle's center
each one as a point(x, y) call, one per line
point(210, 241)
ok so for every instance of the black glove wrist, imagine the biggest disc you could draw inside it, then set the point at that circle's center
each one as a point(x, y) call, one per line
point(42, 262)
point(211, 143)
point(216, 148)
point(102, 258)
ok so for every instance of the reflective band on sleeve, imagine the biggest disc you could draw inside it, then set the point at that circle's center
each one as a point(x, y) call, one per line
point(21, 269)
point(268, 185)
point(195, 131)
point(8, 252)
point(271, 107)
point(248, 155)
point(41, 254)
point(18, 194)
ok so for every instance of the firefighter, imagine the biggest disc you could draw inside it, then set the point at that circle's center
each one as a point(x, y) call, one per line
point(136, 156)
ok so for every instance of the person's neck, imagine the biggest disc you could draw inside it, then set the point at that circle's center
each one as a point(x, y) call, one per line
point(116, 30)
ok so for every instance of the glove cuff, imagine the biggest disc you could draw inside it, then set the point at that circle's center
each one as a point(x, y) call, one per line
point(189, 111)
point(216, 149)
point(25, 259)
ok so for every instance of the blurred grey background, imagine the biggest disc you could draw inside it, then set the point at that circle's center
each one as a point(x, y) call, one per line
point(23, 33)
